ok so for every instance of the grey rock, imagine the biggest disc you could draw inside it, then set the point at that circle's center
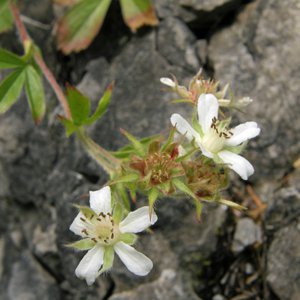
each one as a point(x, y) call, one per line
point(169, 285)
point(247, 233)
point(283, 267)
point(29, 281)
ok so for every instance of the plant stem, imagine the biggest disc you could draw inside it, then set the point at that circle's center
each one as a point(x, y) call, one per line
point(107, 161)
point(39, 60)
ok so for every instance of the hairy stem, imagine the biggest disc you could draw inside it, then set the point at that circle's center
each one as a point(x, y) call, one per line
point(107, 161)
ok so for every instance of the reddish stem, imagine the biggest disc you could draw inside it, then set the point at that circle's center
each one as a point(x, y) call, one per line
point(39, 60)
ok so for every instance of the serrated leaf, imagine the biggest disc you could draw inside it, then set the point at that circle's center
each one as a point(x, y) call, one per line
point(84, 244)
point(77, 29)
point(79, 106)
point(10, 89)
point(102, 106)
point(69, 125)
point(137, 13)
point(35, 94)
point(9, 60)
point(6, 18)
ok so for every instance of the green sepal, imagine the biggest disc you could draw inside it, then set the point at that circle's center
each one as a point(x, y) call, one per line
point(232, 204)
point(118, 212)
point(125, 178)
point(137, 145)
point(79, 106)
point(152, 197)
point(102, 106)
point(236, 149)
point(169, 140)
point(128, 238)
point(199, 207)
point(10, 89)
point(108, 259)
point(9, 60)
point(35, 94)
point(196, 126)
point(183, 188)
point(86, 211)
point(84, 244)
point(123, 194)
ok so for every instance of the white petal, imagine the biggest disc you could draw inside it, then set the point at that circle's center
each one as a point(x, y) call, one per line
point(77, 226)
point(242, 133)
point(138, 220)
point(184, 127)
point(167, 81)
point(237, 163)
point(100, 201)
point(136, 262)
point(90, 264)
point(204, 151)
point(208, 107)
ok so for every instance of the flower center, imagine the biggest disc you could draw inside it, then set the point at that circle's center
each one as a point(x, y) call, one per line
point(101, 229)
point(215, 138)
point(160, 166)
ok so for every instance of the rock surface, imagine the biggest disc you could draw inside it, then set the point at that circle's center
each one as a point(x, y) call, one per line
point(255, 46)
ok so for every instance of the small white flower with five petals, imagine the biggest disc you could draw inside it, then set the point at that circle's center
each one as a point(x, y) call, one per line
point(213, 137)
point(103, 235)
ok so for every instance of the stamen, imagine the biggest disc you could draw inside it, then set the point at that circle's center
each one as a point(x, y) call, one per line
point(83, 220)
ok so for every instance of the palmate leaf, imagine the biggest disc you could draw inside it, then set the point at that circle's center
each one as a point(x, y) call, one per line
point(9, 60)
point(35, 94)
point(137, 13)
point(80, 25)
point(6, 19)
point(10, 89)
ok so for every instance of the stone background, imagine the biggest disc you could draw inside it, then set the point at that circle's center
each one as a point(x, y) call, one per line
point(255, 46)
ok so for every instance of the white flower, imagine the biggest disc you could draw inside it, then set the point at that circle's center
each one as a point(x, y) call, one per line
point(104, 234)
point(214, 138)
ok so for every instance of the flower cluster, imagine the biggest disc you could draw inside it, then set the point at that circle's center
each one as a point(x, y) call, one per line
point(194, 161)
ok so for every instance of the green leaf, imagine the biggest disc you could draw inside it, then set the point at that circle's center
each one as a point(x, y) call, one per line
point(6, 18)
point(118, 212)
point(69, 125)
point(10, 89)
point(9, 60)
point(108, 259)
point(84, 244)
point(102, 106)
point(183, 188)
point(79, 105)
point(128, 238)
point(35, 94)
point(77, 29)
point(137, 13)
